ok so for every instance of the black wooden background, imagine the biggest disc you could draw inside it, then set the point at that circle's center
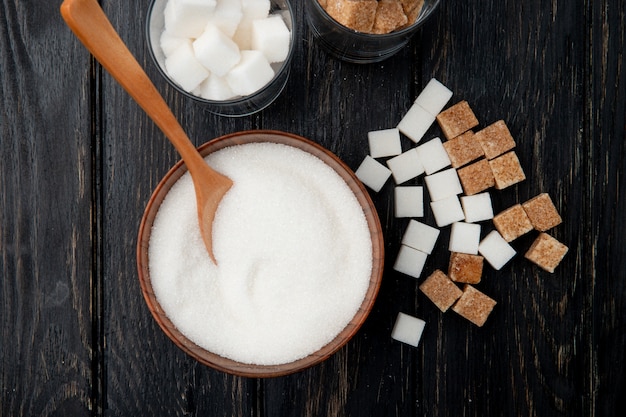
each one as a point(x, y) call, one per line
point(79, 160)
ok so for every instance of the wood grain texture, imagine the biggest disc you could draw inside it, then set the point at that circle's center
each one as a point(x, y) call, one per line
point(79, 161)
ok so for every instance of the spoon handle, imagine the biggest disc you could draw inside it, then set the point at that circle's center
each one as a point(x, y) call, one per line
point(91, 26)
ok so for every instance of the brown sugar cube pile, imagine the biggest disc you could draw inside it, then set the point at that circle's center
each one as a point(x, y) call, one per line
point(465, 268)
point(456, 120)
point(389, 17)
point(546, 252)
point(463, 149)
point(495, 139)
point(542, 212)
point(355, 14)
point(474, 305)
point(440, 290)
point(476, 177)
point(412, 9)
point(507, 170)
point(512, 222)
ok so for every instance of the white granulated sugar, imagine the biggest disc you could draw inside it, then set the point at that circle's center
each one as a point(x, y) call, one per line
point(293, 250)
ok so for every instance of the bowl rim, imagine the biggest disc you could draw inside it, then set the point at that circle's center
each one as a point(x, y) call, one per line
point(225, 364)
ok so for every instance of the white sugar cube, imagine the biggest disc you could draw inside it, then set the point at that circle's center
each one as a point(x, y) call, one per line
point(477, 207)
point(408, 329)
point(215, 88)
point(420, 236)
point(405, 166)
point(409, 201)
point(464, 238)
point(410, 261)
point(250, 74)
point(227, 15)
point(433, 156)
point(170, 43)
point(243, 34)
point(384, 143)
point(188, 18)
point(447, 211)
point(372, 173)
point(416, 123)
point(271, 36)
point(183, 67)
point(255, 9)
point(496, 250)
point(434, 97)
point(443, 184)
point(216, 51)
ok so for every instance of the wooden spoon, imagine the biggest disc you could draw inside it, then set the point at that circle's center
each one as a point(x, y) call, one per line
point(91, 26)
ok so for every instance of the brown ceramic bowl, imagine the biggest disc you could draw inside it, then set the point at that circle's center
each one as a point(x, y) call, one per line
point(225, 364)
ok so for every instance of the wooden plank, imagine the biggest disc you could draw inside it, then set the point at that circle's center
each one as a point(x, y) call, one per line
point(45, 193)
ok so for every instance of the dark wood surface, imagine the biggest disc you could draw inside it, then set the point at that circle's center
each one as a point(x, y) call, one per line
point(79, 160)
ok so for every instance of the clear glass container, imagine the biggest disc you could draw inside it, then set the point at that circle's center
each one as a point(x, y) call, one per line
point(357, 47)
point(239, 106)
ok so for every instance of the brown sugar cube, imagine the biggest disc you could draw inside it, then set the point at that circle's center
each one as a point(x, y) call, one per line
point(507, 170)
point(463, 149)
point(440, 290)
point(456, 120)
point(495, 139)
point(512, 223)
point(474, 305)
point(465, 268)
point(542, 212)
point(322, 3)
point(358, 15)
point(476, 177)
point(546, 252)
point(412, 9)
point(389, 17)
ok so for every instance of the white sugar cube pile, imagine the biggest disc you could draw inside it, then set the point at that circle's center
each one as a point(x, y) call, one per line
point(222, 49)
point(408, 329)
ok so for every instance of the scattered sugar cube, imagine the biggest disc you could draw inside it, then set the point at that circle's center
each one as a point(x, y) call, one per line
point(433, 156)
point(464, 238)
point(272, 37)
point(542, 212)
point(463, 149)
point(372, 173)
point(409, 201)
point(416, 123)
point(434, 97)
point(187, 18)
point(389, 17)
point(447, 211)
point(383, 143)
point(474, 305)
point(250, 74)
point(408, 329)
point(477, 207)
point(170, 43)
point(496, 250)
point(457, 119)
point(410, 261)
point(466, 268)
point(440, 290)
point(546, 252)
point(495, 139)
point(183, 67)
point(476, 177)
point(512, 223)
point(216, 51)
point(215, 88)
point(420, 236)
point(507, 170)
point(227, 15)
point(405, 166)
point(443, 184)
